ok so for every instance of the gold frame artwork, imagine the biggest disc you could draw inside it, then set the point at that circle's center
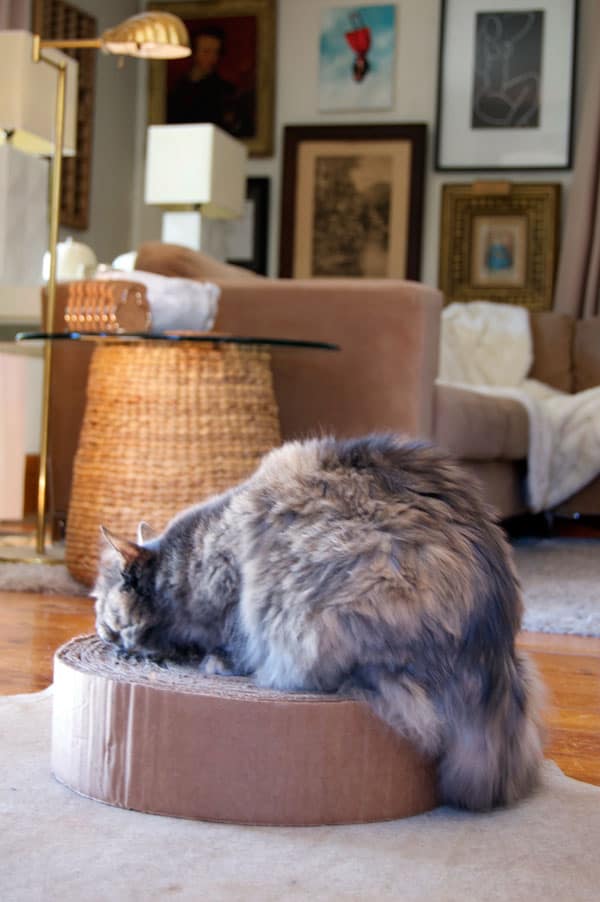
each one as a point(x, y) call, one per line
point(223, 13)
point(499, 242)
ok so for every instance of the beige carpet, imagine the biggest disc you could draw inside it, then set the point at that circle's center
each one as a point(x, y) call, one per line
point(55, 845)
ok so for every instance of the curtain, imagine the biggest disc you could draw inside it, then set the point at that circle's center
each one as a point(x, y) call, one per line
point(578, 283)
point(15, 14)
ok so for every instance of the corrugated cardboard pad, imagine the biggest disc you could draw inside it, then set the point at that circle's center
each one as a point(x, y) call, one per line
point(167, 740)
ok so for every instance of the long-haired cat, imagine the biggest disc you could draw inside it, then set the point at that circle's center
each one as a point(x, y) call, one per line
point(368, 565)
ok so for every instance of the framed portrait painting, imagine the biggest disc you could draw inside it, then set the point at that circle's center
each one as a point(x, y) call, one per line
point(499, 242)
point(506, 84)
point(352, 201)
point(229, 78)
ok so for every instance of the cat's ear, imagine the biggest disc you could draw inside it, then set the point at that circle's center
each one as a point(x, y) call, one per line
point(145, 532)
point(129, 551)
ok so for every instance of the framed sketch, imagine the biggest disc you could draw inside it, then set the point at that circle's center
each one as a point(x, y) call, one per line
point(506, 84)
point(499, 242)
point(229, 78)
point(247, 238)
point(356, 58)
point(352, 201)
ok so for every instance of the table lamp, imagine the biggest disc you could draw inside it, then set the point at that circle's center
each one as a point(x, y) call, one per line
point(199, 172)
point(149, 35)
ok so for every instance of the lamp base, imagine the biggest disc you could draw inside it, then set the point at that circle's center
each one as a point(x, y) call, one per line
point(191, 229)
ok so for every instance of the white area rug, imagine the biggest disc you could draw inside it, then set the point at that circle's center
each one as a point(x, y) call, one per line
point(560, 580)
point(56, 845)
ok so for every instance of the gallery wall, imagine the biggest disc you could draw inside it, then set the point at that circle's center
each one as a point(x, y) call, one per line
point(297, 102)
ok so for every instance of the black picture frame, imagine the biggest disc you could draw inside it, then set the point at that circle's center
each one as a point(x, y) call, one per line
point(258, 190)
point(461, 147)
point(404, 144)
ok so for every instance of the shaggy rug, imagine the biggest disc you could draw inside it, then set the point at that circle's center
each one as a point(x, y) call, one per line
point(560, 580)
point(56, 845)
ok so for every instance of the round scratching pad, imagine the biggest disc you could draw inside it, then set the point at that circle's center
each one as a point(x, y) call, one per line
point(168, 740)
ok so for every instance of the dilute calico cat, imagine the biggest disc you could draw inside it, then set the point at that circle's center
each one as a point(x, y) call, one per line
point(366, 565)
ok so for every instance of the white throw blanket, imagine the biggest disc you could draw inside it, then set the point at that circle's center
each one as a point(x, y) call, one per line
point(487, 348)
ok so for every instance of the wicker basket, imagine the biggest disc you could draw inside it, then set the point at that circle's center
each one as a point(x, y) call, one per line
point(165, 426)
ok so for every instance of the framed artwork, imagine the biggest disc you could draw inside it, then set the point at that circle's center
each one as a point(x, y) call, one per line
point(352, 201)
point(229, 78)
point(505, 84)
point(247, 238)
point(54, 19)
point(499, 242)
point(356, 58)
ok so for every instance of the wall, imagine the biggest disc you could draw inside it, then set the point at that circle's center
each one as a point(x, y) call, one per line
point(298, 31)
point(113, 156)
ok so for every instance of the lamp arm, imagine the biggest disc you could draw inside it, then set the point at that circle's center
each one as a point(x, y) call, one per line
point(59, 129)
point(72, 43)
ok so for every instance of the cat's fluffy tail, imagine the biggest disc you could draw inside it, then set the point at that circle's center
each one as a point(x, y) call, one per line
point(493, 750)
point(488, 745)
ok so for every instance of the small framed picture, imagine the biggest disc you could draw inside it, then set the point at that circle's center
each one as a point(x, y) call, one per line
point(229, 78)
point(247, 237)
point(499, 242)
point(352, 201)
point(505, 84)
point(357, 57)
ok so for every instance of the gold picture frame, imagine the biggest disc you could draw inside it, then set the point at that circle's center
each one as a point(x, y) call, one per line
point(499, 242)
point(352, 201)
point(242, 69)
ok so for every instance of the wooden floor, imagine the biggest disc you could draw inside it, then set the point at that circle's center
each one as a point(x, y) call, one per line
point(32, 627)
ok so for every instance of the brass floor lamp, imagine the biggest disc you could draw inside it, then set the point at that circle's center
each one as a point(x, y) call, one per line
point(149, 35)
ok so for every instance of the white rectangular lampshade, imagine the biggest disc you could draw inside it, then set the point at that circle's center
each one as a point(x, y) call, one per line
point(23, 216)
point(196, 164)
point(28, 96)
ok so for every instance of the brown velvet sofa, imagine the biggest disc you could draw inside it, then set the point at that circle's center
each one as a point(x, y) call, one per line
point(383, 378)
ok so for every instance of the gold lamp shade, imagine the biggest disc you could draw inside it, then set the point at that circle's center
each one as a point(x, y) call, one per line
point(150, 35)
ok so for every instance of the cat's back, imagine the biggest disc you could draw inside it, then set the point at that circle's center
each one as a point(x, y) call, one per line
point(375, 479)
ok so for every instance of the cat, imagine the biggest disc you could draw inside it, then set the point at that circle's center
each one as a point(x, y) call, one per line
point(369, 566)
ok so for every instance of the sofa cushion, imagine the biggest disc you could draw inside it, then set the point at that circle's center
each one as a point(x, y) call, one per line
point(586, 353)
point(480, 427)
point(175, 260)
point(552, 335)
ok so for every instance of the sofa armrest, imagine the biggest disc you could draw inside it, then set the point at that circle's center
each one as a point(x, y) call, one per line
point(586, 353)
point(383, 376)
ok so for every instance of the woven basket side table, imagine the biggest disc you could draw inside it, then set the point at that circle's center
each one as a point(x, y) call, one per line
point(166, 425)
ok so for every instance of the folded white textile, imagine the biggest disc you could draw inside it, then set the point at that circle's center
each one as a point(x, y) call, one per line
point(485, 343)
point(174, 303)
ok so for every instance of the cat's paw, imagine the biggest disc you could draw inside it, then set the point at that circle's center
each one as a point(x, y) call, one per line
point(215, 665)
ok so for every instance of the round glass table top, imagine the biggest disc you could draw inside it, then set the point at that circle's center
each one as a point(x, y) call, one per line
point(209, 337)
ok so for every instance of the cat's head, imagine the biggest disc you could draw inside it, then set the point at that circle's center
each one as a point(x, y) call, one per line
point(128, 614)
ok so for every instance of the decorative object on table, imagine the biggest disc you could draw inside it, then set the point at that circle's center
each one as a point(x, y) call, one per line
point(171, 303)
point(229, 81)
point(356, 58)
point(74, 260)
point(505, 85)
point(146, 35)
point(60, 19)
point(199, 173)
point(107, 306)
point(247, 238)
point(352, 200)
point(499, 242)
